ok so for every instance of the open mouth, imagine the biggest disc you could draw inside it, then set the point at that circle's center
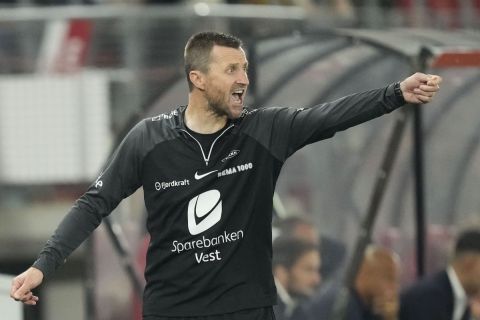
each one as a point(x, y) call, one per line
point(237, 95)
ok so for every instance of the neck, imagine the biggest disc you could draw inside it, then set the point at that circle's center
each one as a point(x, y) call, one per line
point(462, 276)
point(362, 292)
point(200, 118)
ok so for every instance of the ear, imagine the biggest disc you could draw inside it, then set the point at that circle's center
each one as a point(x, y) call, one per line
point(281, 273)
point(198, 79)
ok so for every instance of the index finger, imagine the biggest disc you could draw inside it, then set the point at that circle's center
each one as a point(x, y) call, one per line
point(15, 286)
point(434, 80)
point(23, 293)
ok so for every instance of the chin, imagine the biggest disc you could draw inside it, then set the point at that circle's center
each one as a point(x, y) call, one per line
point(235, 112)
point(301, 295)
point(234, 116)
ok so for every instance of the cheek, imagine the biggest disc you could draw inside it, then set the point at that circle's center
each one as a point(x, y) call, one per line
point(298, 277)
point(477, 278)
point(476, 274)
point(382, 287)
point(214, 86)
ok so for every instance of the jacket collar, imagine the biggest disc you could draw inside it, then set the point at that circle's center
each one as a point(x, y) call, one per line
point(180, 118)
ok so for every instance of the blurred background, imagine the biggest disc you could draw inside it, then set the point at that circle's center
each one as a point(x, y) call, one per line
point(76, 75)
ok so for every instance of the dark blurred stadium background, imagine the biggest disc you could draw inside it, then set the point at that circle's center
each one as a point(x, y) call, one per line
point(74, 77)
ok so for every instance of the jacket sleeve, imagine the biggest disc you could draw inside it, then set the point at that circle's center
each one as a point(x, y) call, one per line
point(293, 128)
point(119, 179)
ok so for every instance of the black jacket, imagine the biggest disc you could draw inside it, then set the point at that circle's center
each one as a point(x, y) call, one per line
point(322, 305)
point(209, 211)
point(430, 298)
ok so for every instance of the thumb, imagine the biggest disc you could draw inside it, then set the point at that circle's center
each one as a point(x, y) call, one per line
point(22, 292)
point(422, 77)
point(434, 80)
point(24, 283)
point(16, 284)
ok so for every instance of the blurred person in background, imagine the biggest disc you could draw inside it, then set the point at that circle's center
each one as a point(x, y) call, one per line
point(299, 226)
point(475, 307)
point(295, 265)
point(445, 295)
point(374, 295)
point(332, 251)
point(208, 172)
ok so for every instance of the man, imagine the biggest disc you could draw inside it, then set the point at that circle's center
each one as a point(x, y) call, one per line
point(374, 295)
point(208, 172)
point(295, 265)
point(445, 295)
point(332, 251)
point(475, 307)
point(300, 227)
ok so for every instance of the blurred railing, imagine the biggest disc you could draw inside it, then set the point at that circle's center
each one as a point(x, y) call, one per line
point(140, 47)
point(133, 53)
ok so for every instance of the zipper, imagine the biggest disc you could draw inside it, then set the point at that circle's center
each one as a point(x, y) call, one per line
point(207, 158)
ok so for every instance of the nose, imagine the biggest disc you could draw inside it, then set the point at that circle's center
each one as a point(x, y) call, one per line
point(243, 79)
point(390, 290)
point(317, 278)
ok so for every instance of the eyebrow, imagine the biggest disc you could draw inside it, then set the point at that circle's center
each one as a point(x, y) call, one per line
point(245, 65)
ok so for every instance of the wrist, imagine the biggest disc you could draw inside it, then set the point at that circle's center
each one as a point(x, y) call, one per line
point(398, 90)
point(36, 270)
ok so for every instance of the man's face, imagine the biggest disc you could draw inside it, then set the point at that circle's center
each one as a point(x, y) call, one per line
point(473, 285)
point(307, 233)
point(385, 286)
point(226, 81)
point(475, 306)
point(304, 276)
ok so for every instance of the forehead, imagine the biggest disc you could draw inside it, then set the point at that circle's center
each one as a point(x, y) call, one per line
point(310, 257)
point(389, 269)
point(227, 55)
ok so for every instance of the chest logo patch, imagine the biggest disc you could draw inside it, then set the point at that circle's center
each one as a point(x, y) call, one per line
point(231, 155)
point(204, 211)
point(200, 176)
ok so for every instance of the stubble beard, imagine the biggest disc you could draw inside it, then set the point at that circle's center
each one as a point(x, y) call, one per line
point(301, 295)
point(217, 107)
point(217, 110)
